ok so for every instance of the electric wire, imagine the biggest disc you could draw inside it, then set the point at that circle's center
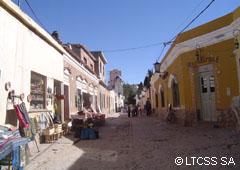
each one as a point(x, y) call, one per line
point(187, 25)
point(193, 20)
point(133, 48)
point(199, 4)
point(162, 43)
point(39, 21)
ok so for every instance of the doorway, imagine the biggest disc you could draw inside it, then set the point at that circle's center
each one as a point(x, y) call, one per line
point(207, 96)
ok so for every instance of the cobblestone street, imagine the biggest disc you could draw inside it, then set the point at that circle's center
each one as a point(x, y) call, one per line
point(143, 143)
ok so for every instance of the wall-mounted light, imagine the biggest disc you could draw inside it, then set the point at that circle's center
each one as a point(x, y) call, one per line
point(197, 55)
point(236, 44)
point(235, 34)
point(157, 67)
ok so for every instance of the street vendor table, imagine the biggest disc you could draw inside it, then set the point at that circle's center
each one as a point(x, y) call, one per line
point(10, 141)
point(78, 121)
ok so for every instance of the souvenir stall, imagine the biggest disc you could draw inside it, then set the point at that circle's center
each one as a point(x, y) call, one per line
point(13, 141)
point(12, 149)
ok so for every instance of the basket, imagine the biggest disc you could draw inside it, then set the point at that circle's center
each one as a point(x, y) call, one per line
point(57, 128)
point(48, 131)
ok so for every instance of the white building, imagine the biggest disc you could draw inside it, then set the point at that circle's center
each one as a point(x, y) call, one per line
point(25, 48)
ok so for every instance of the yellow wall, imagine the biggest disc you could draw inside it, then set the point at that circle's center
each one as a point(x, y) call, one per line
point(225, 72)
point(176, 69)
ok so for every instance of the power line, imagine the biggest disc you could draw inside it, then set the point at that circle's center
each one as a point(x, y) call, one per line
point(189, 16)
point(192, 20)
point(36, 16)
point(133, 48)
point(160, 43)
point(186, 26)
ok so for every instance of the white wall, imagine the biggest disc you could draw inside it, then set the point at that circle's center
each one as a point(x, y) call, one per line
point(22, 51)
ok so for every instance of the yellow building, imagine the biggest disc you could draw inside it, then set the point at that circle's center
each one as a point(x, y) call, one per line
point(200, 74)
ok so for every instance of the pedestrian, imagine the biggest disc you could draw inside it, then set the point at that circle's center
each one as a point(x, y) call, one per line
point(138, 110)
point(148, 107)
point(129, 111)
point(133, 111)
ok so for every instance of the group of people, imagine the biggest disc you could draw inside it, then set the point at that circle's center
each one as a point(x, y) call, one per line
point(135, 110)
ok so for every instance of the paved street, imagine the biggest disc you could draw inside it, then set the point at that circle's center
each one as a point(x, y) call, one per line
point(143, 143)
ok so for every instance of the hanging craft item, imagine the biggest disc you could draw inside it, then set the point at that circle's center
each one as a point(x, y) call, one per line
point(11, 95)
point(7, 86)
point(22, 97)
point(60, 97)
point(29, 98)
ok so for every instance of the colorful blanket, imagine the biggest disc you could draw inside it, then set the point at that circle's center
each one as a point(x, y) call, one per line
point(11, 143)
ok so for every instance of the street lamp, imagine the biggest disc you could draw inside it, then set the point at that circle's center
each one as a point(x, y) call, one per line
point(157, 66)
point(197, 51)
point(235, 34)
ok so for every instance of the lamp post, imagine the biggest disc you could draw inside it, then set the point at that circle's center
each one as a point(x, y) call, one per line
point(197, 51)
point(235, 34)
point(157, 67)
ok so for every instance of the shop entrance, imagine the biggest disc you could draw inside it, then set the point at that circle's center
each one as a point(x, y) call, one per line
point(207, 94)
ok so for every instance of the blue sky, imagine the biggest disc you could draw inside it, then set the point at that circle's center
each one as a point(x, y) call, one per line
point(107, 25)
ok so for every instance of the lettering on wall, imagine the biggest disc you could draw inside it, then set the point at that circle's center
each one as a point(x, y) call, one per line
point(203, 60)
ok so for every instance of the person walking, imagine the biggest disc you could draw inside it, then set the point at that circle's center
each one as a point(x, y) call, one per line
point(148, 107)
point(129, 111)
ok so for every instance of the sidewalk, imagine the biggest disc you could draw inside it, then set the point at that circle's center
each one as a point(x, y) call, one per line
point(50, 150)
point(142, 143)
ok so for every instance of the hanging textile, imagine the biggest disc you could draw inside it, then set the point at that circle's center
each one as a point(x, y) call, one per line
point(42, 122)
point(33, 124)
point(23, 110)
point(13, 141)
point(22, 121)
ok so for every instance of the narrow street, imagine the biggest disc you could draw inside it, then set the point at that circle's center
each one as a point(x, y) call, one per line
point(143, 143)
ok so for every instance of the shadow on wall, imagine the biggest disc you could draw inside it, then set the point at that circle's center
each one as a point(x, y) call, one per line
point(11, 117)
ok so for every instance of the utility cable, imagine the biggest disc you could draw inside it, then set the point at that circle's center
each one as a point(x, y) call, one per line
point(192, 20)
point(133, 48)
point(189, 16)
point(171, 41)
point(28, 4)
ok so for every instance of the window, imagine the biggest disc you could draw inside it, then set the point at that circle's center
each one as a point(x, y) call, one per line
point(85, 60)
point(100, 67)
point(38, 86)
point(175, 90)
point(204, 84)
point(78, 99)
point(91, 66)
point(162, 98)
point(211, 82)
point(156, 100)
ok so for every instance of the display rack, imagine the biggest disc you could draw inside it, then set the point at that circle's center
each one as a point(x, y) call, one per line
point(37, 92)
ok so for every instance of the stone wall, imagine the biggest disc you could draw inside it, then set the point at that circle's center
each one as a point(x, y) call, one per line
point(182, 116)
point(226, 118)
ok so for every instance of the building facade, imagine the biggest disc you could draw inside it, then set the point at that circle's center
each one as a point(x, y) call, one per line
point(200, 74)
point(72, 77)
point(25, 48)
point(80, 81)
